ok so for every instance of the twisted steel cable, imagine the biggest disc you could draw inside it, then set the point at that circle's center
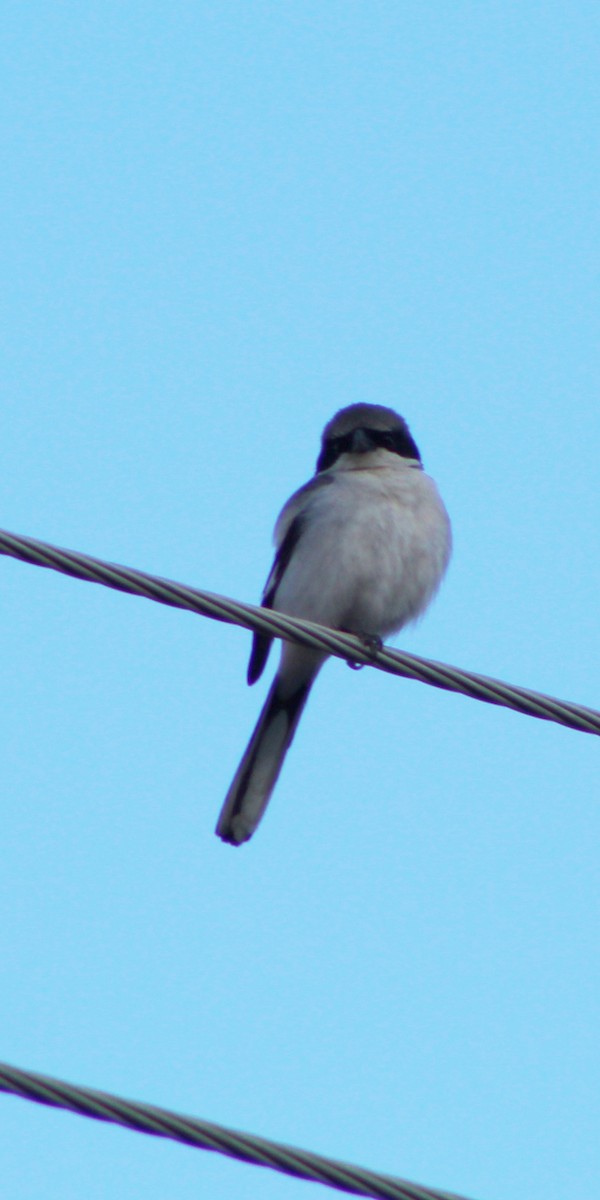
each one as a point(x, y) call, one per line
point(342, 645)
point(160, 1122)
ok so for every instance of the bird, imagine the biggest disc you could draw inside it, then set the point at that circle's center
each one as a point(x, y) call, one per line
point(362, 547)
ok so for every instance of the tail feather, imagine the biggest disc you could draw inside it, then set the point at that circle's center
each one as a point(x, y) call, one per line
point(259, 769)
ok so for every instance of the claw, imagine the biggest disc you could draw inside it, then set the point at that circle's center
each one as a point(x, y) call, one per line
point(371, 642)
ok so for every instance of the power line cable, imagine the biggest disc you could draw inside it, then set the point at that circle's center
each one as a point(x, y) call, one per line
point(306, 633)
point(161, 1122)
point(191, 1131)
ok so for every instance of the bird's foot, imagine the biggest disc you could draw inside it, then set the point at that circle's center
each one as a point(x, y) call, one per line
point(371, 642)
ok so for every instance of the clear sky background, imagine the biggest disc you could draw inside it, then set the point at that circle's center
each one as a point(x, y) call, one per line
point(220, 223)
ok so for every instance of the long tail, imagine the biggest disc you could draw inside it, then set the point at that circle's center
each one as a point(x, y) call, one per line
point(259, 769)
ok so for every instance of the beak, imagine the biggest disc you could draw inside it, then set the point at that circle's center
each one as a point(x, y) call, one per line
point(361, 442)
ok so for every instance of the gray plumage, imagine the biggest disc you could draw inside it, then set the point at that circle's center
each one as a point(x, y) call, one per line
point(362, 547)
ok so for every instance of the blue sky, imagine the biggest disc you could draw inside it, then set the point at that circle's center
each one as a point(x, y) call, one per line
point(222, 223)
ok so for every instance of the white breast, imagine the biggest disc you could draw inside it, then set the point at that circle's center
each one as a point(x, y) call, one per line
point(372, 553)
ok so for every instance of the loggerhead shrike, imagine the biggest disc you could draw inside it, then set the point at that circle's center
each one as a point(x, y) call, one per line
point(362, 547)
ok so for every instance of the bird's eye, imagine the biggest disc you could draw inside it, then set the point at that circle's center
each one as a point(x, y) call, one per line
point(387, 441)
